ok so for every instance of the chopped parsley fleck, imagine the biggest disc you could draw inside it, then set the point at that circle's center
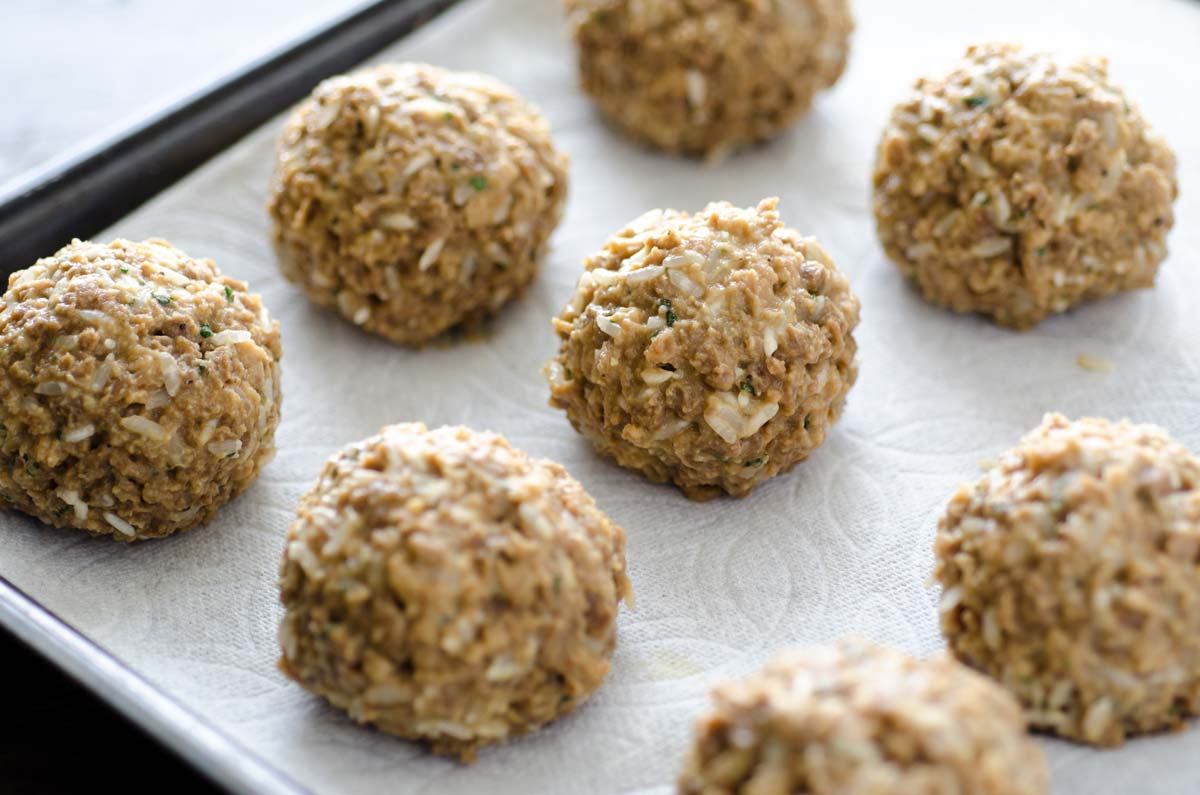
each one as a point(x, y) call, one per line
point(807, 420)
point(1041, 250)
point(124, 269)
point(201, 369)
point(205, 330)
point(229, 293)
point(666, 302)
point(162, 299)
point(557, 584)
point(975, 102)
point(746, 386)
point(478, 182)
point(448, 116)
point(754, 462)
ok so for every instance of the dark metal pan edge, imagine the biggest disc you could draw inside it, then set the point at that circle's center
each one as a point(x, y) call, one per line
point(84, 193)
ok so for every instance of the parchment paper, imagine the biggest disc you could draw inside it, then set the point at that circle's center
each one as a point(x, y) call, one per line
point(842, 545)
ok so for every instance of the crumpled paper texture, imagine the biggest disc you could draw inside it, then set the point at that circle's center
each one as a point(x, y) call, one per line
point(842, 545)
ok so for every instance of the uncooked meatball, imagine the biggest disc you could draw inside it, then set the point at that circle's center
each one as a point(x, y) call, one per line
point(713, 350)
point(449, 589)
point(139, 389)
point(1020, 185)
point(708, 77)
point(1069, 574)
point(858, 718)
point(413, 199)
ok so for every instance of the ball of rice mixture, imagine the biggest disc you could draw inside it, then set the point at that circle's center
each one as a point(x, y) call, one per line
point(1020, 185)
point(1069, 573)
point(139, 389)
point(858, 718)
point(449, 589)
point(705, 78)
point(713, 350)
point(414, 199)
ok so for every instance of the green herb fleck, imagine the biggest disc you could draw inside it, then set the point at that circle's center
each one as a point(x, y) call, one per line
point(666, 302)
point(201, 369)
point(229, 293)
point(205, 330)
point(448, 116)
point(747, 387)
point(556, 585)
point(162, 299)
point(754, 462)
point(807, 420)
point(31, 467)
point(1041, 250)
point(478, 182)
point(976, 102)
point(124, 269)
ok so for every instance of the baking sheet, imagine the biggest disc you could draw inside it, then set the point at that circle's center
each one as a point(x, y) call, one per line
point(839, 546)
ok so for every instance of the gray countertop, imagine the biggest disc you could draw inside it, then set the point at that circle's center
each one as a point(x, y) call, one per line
point(77, 71)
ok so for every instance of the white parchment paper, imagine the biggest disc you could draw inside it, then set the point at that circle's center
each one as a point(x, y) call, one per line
point(841, 545)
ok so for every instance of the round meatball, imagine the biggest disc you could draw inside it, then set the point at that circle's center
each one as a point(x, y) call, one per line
point(1069, 573)
point(414, 199)
point(447, 588)
point(713, 350)
point(1018, 186)
point(858, 718)
point(139, 389)
point(708, 77)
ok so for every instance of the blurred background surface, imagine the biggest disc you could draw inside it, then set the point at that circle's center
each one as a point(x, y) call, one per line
point(79, 71)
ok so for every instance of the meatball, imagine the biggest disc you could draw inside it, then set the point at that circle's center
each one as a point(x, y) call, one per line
point(1069, 574)
point(447, 588)
point(139, 389)
point(712, 350)
point(414, 199)
point(708, 77)
point(857, 718)
point(1018, 186)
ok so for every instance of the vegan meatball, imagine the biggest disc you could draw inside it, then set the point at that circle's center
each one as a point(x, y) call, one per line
point(1019, 185)
point(414, 199)
point(447, 588)
point(1069, 574)
point(713, 350)
point(708, 77)
point(861, 718)
point(139, 389)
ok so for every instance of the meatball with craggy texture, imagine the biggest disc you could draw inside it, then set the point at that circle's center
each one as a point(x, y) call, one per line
point(1021, 185)
point(1069, 573)
point(413, 199)
point(713, 350)
point(139, 389)
point(706, 77)
point(859, 718)
point(445, 587)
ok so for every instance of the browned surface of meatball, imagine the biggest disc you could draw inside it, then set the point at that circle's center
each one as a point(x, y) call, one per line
point(1069, 573)
point(858, 718)
point(444, 587)
point(413, 199)
point(712, 350)
point(705, 77)
point(1019, 186)
point(139, 389)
